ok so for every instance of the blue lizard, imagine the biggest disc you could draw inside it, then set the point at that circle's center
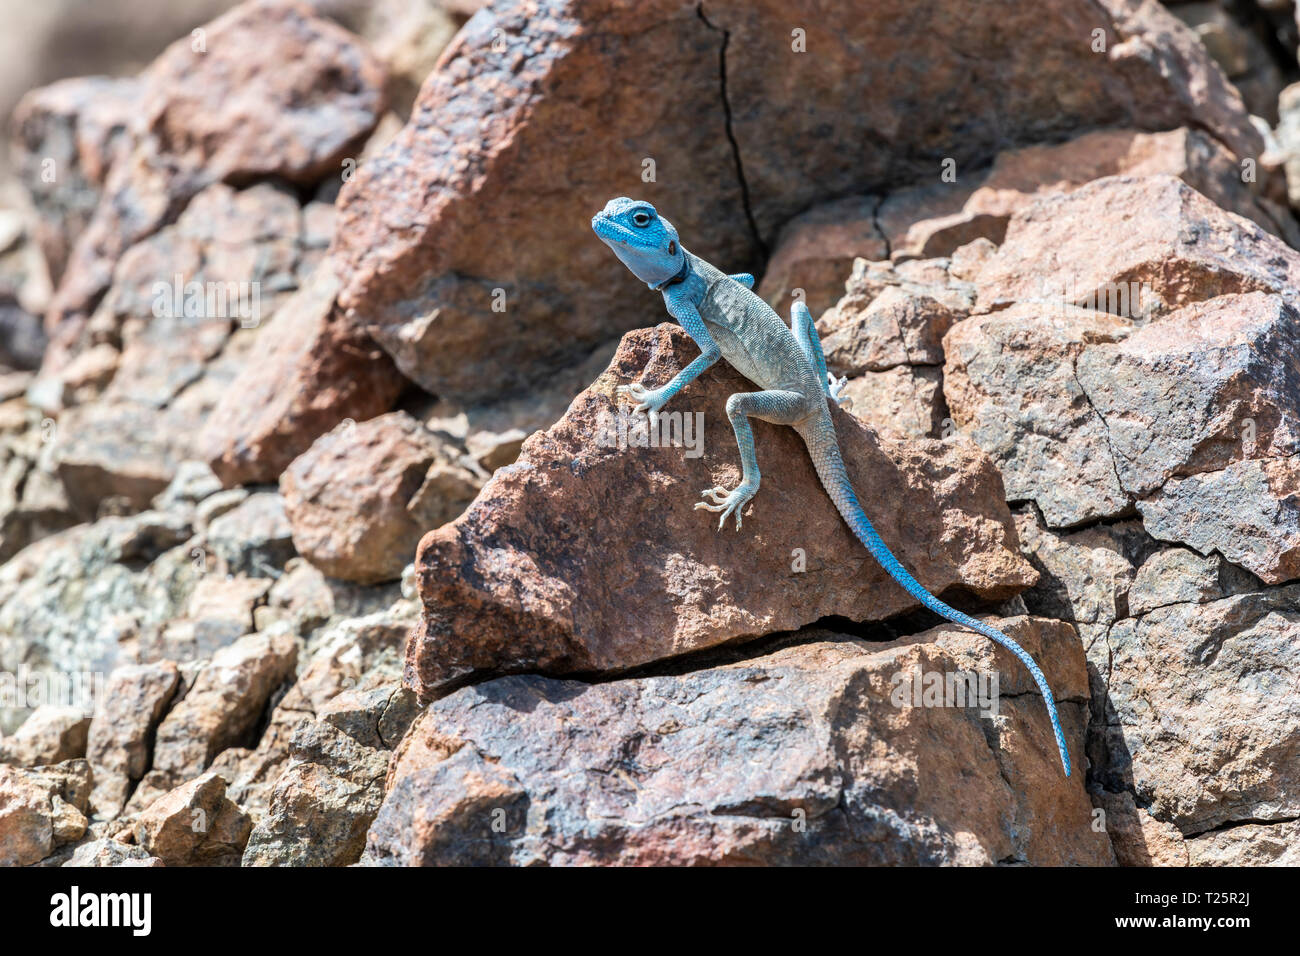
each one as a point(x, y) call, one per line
point(727, 320)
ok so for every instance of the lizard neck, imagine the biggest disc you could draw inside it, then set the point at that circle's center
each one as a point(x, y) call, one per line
point(674, 279)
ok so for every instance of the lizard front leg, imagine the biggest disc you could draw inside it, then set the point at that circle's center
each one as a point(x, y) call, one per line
point(777, 406)
point(652, 399)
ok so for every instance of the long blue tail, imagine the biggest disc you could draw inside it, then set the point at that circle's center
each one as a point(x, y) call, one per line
point(830, 468)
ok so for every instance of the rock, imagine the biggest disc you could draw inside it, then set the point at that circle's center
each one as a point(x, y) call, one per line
point(1138, 838)
point(219, 114)
point(420, 236)
point(408, 37)
point(1288, 134)
point(310, 373)
point(893, 328)
point(74, 605)
point(1248, 512)
point(253, 537)
point(935, 219)
point(52, 734)
point(1250, 844)
point(77, 129)
point(220, 610)
point(905, 401)
point(1180, 576)
point(814, 253)
point(225, 704)
point(122, 732)
point(1010, 382)
point(41, 809)
point(812, 758)
point(360, 498)
point(194, 825)
point(1203, 729)
point(322, 806)
point(193, 483)
point(1206, 386)
point(1085, 577)
point(493, 432)
point(107, 852)
point(1080, 249)
point(507, 585)
point(112, 453)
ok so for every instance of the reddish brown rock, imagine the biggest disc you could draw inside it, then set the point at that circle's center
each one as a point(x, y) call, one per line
point(360, 498)
point(194, 825)
point(888, 329)
point(1212, 384)
point(465, 200)
point(310, 372)
point(1010, 383)
point(1135, 246)
point(814, 253)
point(52, 734)
point(41, 810)
point(66, 138)
point(526, 578)
point(121, 734)
point(224, 706)
point(817, 753)
point(905, 401)
point(273, 91)
point(935, 219)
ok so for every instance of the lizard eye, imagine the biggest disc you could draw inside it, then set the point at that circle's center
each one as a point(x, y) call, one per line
point(641, 218)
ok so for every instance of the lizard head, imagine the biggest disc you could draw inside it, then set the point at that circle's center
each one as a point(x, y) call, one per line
point(645, 241)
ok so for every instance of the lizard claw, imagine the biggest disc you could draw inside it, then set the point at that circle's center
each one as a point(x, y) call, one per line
point(647, 400)
point(728, 503)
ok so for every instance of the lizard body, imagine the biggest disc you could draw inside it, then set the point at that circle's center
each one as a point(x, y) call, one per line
point(727, 320)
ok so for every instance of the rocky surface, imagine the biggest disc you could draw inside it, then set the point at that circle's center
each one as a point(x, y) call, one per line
point(799, 755)
point(325, 541)
point(525, 578)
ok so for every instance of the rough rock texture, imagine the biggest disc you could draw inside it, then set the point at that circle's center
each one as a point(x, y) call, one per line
point(193, 825)
point(311, 372)
point(479, 209)
point(1087, 410)
point(41, 809)
point(52, 734)
point(295, 110)
point(1089, 247)
point(1057, 266)
point(799, 755)
point(223, 706)
point(522, 579)
point(1248, 512)
point(323, 804)
point(1010, 382)
point(361, 497)
point(122, 733)
point(1210, 734)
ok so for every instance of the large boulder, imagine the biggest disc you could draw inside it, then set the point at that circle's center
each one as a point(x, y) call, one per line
point(817, 753)
point(466, 249)
point(587, 553)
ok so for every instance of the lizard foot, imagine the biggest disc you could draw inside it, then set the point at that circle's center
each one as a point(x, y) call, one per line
point(647, 399)
point(835, 387)
point(728, 502)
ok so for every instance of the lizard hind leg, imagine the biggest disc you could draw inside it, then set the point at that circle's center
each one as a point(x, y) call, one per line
point(776, 406)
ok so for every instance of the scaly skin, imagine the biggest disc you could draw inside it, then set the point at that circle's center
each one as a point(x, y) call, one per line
point(727, 320)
